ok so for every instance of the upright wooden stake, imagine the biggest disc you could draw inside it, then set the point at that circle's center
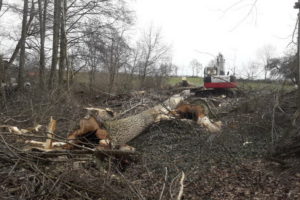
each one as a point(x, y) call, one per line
point(50, 134)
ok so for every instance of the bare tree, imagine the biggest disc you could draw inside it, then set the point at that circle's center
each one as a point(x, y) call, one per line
point(23, 42)
point(265, 54)
point(2, 81)
point(153, 50)
point(85, 20)
point(116, 56)
point(133, 61)
point(196, 67)
point(92, 54)
point(55, 43)
point(18, 46)
point(175, 71)
point(1, 3)
point(42, 18)
point(63, 43)
point(252, 70)
point(2, 71)
point(251, 4)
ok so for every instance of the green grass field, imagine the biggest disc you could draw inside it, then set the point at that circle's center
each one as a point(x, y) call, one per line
point(102, 79)
point(261, 85)
point(243, 84)
point(197, 81)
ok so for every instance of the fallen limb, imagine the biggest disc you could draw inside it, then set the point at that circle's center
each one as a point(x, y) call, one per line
point(41, 152)
point(123, 130)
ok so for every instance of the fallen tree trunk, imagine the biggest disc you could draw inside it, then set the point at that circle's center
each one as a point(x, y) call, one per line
point(126, 129)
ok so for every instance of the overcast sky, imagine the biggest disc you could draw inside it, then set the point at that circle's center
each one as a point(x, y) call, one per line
point(217, 26)
point(212, 26)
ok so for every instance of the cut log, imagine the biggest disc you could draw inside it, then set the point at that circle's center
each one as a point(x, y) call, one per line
point(126, 129)
point(123, 130)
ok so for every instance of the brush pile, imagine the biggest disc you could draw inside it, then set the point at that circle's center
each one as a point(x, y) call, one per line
point(175, 159)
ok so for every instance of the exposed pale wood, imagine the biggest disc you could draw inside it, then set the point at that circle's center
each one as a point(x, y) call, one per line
point(43, 144)
point(50, 134)
point(126, 129)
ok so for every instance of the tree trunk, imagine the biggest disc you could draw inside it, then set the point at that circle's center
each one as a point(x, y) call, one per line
point(56, 26)
point(2, 82)
point(266, 71)
point(298, 58)
point(42, 18)
point(18, 46)
point(63, 44)
point(1, 4)
point(22, 43)
point(92, 77)
point(2, 71)
point(124, 130)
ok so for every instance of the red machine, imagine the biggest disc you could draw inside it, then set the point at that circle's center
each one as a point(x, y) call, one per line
point(214, 76)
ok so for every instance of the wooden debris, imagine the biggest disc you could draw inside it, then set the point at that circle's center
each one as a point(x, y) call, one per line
point(212, 127)
point(16, 130)
point(125, 129)
point(44, 144)
point(50, 134)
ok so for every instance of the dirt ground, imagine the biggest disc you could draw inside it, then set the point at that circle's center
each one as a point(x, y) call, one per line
point(234, 164)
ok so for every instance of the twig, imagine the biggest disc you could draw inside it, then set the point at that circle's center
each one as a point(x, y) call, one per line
point(276, 104)
point(15, 165)
point(164, 185)
point(17, 121)
point(246, 16)
point(294, 33)
point(81, 195)
point(171, 184)
point(181, 186)
point(132, 187)
point(126, 111)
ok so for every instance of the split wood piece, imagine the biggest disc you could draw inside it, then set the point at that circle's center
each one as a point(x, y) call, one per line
point(101, 114)
point(16, 130)
point(198, 114)
point(44, 144)
point(212, 127)
point(87, 125)
point(50, 134)
point(11, 129)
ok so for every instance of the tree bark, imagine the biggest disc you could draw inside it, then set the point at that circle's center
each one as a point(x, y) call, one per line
point(63, 43)
point(22, 43)
point(126, 129)
point(42, 18)
point(298, 56)
point(2, 81)
point(56, 26)
point(2, 71)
